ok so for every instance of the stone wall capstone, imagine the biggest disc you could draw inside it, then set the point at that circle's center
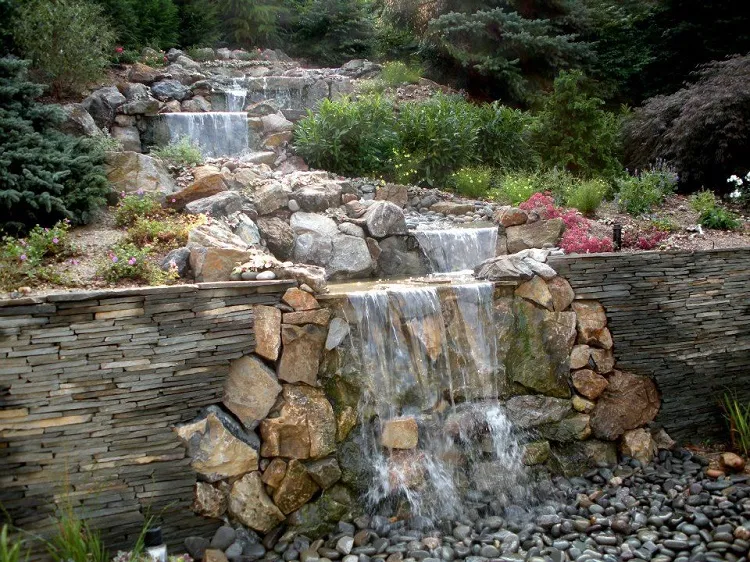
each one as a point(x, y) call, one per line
point(682, 318)
point(91, 384)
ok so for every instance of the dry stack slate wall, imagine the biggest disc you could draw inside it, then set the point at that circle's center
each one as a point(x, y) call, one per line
point(681, 318)
point(91, 384)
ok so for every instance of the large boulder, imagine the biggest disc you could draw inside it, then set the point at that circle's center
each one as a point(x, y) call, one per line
point(302, 350)
point(397, 194)
point(215, 251)
point(383, 219)
point(217, 206)
point(401, 255)
point(218, 447)
point(278, 235)
point(249, 503)
point(562, 293)
point(128, 137)
point(78, 121)
point(131, 172)
point(400, 433)
point(207, 181)
point(576, 457)
point(522, 265)
point(102, 105)
point(144, 74)
point(305, 427)
point(170, 90)
point(538, 356)
point(534, 235)
point(451, 208)
point(271, 197)
point(589, 384)
point(536, 290)
point(250, 390)
point(310, 275)
point(318, 197)
point(629, 402)
point(529, 410)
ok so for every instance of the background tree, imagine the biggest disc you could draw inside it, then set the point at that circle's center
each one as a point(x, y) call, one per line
point(45, 175)
point(68, 41)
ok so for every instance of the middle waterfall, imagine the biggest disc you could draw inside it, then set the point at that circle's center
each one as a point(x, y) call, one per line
point(431, 376)
point(457, 249)
point(218, 133)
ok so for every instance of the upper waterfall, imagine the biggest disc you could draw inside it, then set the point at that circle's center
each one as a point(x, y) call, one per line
point(457, 249)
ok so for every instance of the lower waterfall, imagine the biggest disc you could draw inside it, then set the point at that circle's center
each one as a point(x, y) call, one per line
point(219, 133)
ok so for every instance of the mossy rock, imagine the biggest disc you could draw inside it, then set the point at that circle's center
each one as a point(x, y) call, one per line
point(317, 518)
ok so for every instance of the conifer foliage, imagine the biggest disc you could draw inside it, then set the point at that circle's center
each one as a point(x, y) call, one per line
point(45, 175)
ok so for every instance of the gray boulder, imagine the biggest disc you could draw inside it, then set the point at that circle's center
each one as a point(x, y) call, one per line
point(401, 255)
point(170, 90)
point(129, 137)
point(102, 105)
point(130, 172)
point(529, 411)
point(78, 121)
point(315, 198)
point(180, 257)
point(219, 205)
point(383, 219)
point(278, 235)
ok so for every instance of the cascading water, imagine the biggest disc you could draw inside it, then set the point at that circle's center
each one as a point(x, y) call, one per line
point(236, 97)
point(220, 133)
point(430, 354)
point(457, 249)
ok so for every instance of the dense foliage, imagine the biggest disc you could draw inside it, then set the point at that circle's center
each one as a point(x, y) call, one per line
point(69, 41)
point(45, 175)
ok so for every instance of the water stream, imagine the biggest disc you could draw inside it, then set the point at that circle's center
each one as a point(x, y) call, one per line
point(457, 249)
point(430, 353)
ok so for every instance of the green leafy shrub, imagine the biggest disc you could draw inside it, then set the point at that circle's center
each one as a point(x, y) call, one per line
point(640, 193)
point(11, 550)
point(397, 73)
point(719, 218)
point(134, 206)
point(26, 261)
point(162, 234)
point(737, 415)
point(183, 152)
point(439, 135)
point(144, 23)
point(703, 201)
point(516, 187)
point(332, 32)
point(45, 175)
point(75, 540)
point(352, 138)
point(573, 132)
point(68, 41)
point(586, 195)
point(472, 182)
point(127, 261)
point(503, 137)
point(665, 224)
point(125, 56)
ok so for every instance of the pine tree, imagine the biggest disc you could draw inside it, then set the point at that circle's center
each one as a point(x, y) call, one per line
point(45, 175)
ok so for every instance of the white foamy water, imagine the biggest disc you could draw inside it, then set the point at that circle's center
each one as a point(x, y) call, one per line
point(457, 249)
point(219, 133)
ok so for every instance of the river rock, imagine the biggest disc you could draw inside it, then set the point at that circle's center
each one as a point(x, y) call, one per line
point(267, 324)
point(214, 555)
point(400, 256)
point(588, 383)
point(102, 105)
point(305, 427)
point(400, 433)
point(562, 293)
point(536, 291)
point(208, 181)
point(629, 401)
point(78, 121)
point(529, 411)
point(250, 390)
point(218, 447)
point(451, 208)
point(383, 219)
point(300, 357)
point(538, 354)
point(325, 472)
point(210, 500)
point(278, 235)
point(591, 322)
point(396, 194)
point(250, 504)
point(512, 216)
point(131, 172)
point(296, 489)
point(274, 473)
point(534, 235)
point(638, 444)
point(732, 462)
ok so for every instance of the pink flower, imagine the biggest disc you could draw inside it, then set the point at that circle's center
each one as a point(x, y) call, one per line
point(119, 50)
point(139, 192)
point(114, 259)
point(22, 257)
point(74, 261)
point(22, 242)
point(122, 194)
point(55, 240)
point(174, 200)
point(132, 261)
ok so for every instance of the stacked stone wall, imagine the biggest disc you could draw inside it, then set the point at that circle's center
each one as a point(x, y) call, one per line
point(682, 318)
point(91, 384)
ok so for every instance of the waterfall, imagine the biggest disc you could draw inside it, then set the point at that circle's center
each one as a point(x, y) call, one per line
point(217, 133)
point(457, 249)
point(429, 355)
point(236, 97)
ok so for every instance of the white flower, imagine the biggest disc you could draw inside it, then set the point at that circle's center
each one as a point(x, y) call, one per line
point(736, 194)
point(735, 180)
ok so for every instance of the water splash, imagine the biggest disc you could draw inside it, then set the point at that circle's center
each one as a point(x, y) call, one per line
point(457, 249)
point(220, 133)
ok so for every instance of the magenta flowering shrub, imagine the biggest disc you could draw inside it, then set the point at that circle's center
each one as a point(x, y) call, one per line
point(643, 240)
point(24, 260)
point(577, 238)
point(131, 262)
